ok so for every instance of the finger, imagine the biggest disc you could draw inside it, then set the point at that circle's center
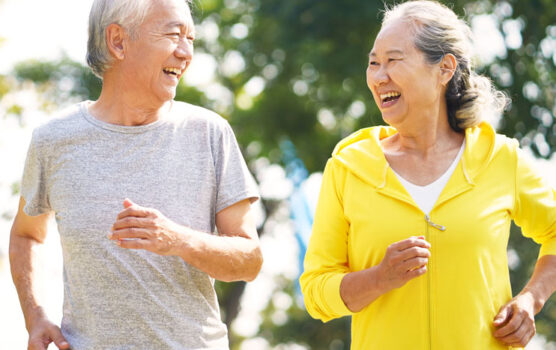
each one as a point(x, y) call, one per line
point(411, 242)
point(416, 272)
point(37, 344)
point(513, 324)
point(58, 338)
point(414, 263)
point(414, 252)
point(131, 232)
point(502, 317)
point(63, 346)
point(128, 203)
point(397, 258)
point(131, 221)
point(134, 210)
point(518, 337)
point(524, 340)
point(134, 244)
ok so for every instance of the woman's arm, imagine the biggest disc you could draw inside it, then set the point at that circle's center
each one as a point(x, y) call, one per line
point(403, 261)
point(515, 322)
point(535, 213)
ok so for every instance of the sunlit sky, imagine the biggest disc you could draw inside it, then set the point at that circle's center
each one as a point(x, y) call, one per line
point(42, 29)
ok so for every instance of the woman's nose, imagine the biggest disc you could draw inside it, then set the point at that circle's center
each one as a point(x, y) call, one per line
point(380, 75)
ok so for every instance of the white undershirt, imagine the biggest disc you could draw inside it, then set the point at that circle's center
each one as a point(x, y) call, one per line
point(426, 196)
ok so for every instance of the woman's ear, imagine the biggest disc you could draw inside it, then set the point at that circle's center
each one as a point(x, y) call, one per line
point(115, 37)
point(448, 66)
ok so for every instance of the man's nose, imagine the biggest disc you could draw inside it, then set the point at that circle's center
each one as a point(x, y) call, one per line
point(184, 49)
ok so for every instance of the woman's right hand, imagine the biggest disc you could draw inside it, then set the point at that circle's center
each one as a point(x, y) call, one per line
point(403, 261)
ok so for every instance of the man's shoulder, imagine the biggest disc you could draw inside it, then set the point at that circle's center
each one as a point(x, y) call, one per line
point(197, 116)
point(65, 122)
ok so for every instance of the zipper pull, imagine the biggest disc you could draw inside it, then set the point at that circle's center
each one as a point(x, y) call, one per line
point(439, 227)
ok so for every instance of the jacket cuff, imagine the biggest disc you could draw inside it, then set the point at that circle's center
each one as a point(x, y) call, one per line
point(332, 296)
point(548, 248)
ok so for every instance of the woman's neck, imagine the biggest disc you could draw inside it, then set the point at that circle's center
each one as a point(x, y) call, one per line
point(423, 136)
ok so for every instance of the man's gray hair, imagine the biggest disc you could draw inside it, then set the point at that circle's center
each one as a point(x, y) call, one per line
point(129, 14)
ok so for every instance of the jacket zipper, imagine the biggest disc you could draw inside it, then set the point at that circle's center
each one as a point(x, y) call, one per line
point(429, 239)
point(436, 226)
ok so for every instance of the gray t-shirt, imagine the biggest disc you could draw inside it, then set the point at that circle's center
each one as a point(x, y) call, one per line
point(189, 167)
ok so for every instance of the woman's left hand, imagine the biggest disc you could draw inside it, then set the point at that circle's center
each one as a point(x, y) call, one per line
point(515, 321)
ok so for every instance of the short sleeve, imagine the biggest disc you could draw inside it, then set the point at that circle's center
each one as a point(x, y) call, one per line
point(235, 182)
point(535, 208)
point(33, 183)
point(326, 260)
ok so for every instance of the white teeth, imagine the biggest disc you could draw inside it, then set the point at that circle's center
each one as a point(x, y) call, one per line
point(176, 71)
point(389, 94)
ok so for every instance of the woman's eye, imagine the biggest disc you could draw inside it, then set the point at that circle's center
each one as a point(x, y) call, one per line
point(373, 63)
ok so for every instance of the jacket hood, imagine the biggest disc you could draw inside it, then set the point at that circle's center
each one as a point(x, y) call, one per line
point(362, 154)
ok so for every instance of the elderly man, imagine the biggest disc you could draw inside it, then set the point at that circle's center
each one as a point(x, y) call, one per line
point(137, 183)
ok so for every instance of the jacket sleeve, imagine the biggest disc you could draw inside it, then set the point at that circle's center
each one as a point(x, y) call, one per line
point(535, 207)
point(326, 259)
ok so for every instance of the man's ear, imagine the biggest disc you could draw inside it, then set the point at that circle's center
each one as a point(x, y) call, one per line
point(448, 66)
point(115, 40)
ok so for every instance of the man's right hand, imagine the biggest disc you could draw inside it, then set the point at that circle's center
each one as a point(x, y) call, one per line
point(42, 333)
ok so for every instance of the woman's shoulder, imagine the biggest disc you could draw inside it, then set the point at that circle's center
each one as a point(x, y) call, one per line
point(487, 149)
point(365, 141)
point(361, 154)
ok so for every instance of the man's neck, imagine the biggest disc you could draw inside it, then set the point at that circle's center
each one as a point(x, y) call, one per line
point(122, 106)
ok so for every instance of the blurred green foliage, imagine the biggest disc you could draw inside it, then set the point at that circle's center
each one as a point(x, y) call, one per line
point(311, 56)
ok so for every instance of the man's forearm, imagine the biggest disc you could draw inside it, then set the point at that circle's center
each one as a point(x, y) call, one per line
point(22, 268)
point(232, 255)
point(225, 258)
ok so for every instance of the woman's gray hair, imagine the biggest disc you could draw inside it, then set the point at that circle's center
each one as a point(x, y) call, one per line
point(129, 14)
point(439, 31)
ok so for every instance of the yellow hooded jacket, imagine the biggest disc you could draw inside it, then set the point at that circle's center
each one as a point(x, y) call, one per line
point(363, 208)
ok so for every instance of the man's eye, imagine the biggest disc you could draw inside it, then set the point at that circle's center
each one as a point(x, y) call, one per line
point(373, 63)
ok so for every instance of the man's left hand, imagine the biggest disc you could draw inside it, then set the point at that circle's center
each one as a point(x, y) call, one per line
point(515, 321)
point(137, 227)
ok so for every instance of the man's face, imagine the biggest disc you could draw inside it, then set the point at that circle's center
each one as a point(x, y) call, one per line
point(161, 52)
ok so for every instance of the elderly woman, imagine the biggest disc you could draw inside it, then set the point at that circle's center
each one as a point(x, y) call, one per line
point(412, 223)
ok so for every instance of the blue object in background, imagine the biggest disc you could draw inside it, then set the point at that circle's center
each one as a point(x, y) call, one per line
point(300, 210)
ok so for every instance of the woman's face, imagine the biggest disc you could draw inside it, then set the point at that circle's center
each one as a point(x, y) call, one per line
point(405, 87)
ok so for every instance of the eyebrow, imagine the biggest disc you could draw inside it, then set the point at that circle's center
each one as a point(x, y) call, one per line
point(400, 52)
point(174, 24)
point(179, 24)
